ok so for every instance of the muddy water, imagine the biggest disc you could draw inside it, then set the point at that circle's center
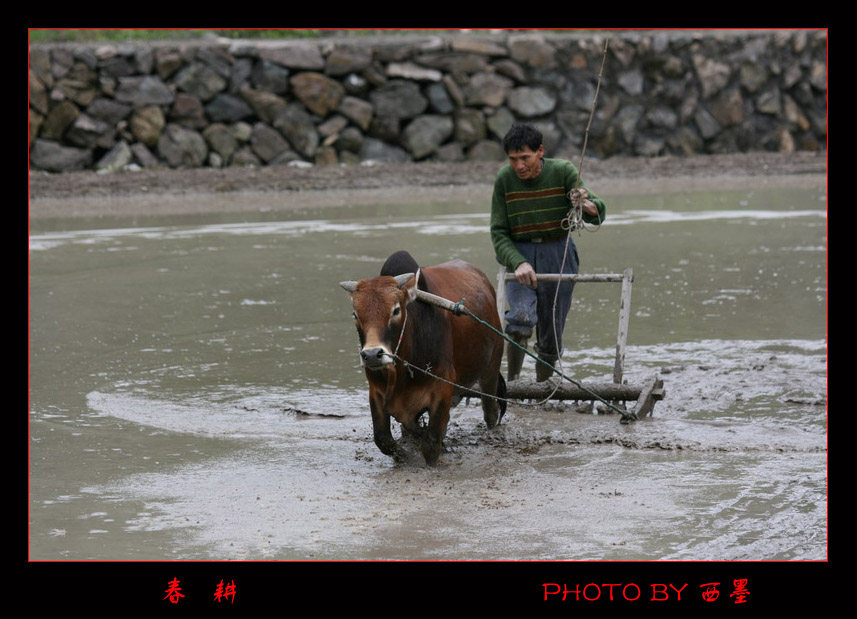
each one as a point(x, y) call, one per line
point(195, 392)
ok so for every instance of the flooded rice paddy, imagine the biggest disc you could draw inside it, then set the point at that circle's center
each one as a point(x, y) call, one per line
point(195, 393)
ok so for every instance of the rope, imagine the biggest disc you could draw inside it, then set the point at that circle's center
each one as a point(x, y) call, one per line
point(574, 220)
point(460, 308)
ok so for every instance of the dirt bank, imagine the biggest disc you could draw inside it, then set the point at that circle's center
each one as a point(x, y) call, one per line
point(90, 194)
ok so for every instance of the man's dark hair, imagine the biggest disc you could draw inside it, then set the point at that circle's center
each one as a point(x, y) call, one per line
point(520, 136)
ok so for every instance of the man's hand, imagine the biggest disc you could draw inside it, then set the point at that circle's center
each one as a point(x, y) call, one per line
point(525, 275)
point(579, 197)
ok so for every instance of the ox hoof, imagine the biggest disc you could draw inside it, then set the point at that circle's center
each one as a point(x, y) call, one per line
point(431, 454)
point(492, 420)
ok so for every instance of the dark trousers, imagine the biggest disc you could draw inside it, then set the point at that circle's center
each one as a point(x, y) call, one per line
point(529, 308)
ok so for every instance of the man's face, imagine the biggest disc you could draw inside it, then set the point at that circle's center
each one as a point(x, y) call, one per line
point(527, 163)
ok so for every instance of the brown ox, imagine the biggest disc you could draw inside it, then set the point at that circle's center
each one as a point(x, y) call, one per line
point(401, 335)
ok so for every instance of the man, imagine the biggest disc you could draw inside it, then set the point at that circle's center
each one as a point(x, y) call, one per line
point(532, 196)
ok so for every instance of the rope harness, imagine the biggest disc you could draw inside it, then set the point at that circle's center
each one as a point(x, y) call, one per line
point(574, 220)
point(460, 308)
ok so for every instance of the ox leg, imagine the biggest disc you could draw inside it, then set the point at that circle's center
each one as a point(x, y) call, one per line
point(433, 434)
point(491, 412)
point(381, 429)
point(411, 428)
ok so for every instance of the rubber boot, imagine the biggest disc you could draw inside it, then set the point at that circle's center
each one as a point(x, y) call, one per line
point(515, 356)
point(544, 372)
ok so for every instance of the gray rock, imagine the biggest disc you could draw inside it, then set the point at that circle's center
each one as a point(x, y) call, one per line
point(298, 128)
point(116, 158)
point(51, 156)
point(713, 76)
point(450, 153)
point(769, 102)
point(631, 82)
point(753, 76)
point(458, 65)
point(648, 146)
point(221, 140)
point(530, 102)
point(345, 59)
point(143, 156)
point(358, 111)
point(486, 150)
point(242, 69)
point(412, 71)
point(374, 150)
point(728, 109)
point(147, 90)
point(662, 117)
point(399, 99)
point(80, 84)
point(320, 94)
point(532, 50)
point(265, 105)
point(34, 125)
point(200, 80)
point(500, 122)
point(487, 89)
point(385, 128)
point(332, 126)
point(297, 55)
point(511, 69)
point(58, 120)
point(217, 59)
point(267, 143)
point(147, 123)
point(182, 148)
point(478, 46)
point(117, 66)
point(707, 124)
point(187, 111)
point(245, 157)
point(242, 131)
point(425, 134)
point(439, 99)
point(38, 94)
point(469, 127)
point(108, 110)
point(351, 140)
point(167, 62)
point(226, 107)
point(270, 77)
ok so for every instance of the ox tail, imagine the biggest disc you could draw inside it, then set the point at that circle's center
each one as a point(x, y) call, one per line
point(501, 397)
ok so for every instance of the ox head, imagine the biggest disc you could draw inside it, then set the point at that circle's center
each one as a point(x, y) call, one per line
point(379, 312)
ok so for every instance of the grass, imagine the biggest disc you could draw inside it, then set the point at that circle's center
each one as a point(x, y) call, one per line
point(57, 35)
point(157, 34)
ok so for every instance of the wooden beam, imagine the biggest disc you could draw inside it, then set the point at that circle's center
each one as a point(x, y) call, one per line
point(528, 390)
point(624, 319)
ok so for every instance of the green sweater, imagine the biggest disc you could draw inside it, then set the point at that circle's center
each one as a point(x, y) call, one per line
point(534, 208)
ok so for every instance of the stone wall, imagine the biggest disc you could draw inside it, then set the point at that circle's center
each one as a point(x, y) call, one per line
point(412, 98)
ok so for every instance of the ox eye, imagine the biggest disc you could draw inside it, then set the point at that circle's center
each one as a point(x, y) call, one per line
point(396, 311)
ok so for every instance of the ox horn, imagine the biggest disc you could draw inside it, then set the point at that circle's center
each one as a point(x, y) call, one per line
point(403, 279)
point(350, 286)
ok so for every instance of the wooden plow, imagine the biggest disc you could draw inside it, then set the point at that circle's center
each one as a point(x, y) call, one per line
point(644, 396)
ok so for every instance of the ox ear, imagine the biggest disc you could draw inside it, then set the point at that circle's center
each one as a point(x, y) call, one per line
point(350, 286)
